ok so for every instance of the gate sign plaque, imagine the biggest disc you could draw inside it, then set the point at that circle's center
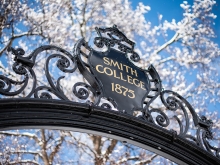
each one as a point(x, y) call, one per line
point(121, 80)
point(112, 74)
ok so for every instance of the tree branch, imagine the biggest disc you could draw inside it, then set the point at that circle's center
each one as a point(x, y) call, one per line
point(127, 159)
point(43, 146)
point(6, 46)
point(24, 161)
point(165, 60)
point(146, 161)
point(21, 134)
point(110, 149)
point(15, 37)
point(56, 149)
point(26, 152)
point(7, 71)
point(97, 142)
point(83, 144)
point(173, 39)
point(84, 20)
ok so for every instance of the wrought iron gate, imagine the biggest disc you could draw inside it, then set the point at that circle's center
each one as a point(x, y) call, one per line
point(122, 103)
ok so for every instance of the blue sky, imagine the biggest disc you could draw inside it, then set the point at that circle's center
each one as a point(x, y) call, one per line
point(171, 9)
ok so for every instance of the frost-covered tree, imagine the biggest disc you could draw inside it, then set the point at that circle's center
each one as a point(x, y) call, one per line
point(178, 49)
point(66, 147)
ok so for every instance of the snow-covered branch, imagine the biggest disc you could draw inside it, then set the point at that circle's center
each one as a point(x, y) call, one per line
point(56, 149)
point(165, 45)
point(81, 144)
point(26, 152)
point(24, 161)
point(138, 160)
point(165, 60)
point(147, 161)
point(124, 160)
point(24, 134)
point(10, 41)
point(110, 149)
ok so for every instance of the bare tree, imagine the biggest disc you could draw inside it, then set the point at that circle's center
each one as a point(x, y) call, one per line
point(48, 146)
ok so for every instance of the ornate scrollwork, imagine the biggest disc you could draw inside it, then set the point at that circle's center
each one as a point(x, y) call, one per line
point(63, 63)
point(156, 88)
point(211, 148)
point(6, 84)
point(86, 71)
point(24, 65)
point(83, 91)
point(19, 69)
point(115, 37)
point(173, 102)
point(204, 121)
point(135, 57)
point(46, 95)
point(109, 104)
point(16, 52)
point(161, 119)
point(109, 37)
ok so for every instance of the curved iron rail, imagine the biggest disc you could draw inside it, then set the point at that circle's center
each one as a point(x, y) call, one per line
point(44, 113)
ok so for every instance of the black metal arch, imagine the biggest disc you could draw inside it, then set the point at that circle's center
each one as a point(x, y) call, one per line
point(149, 130)
point(26, 113)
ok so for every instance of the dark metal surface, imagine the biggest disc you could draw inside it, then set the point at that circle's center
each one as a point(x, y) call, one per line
point(59, 114)
point(118, 81)
point(152, 126)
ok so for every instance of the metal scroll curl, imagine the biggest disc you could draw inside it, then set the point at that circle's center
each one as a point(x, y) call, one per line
point(24, 65)
point(111, 37)
point(211, 149)
point(161, 119)
point(83, 91)
point(174, 102)
point(63, 63)
point(155, 89)
point(205, 134)
point(86, 71)
point(7, 85)
point(109, 103)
